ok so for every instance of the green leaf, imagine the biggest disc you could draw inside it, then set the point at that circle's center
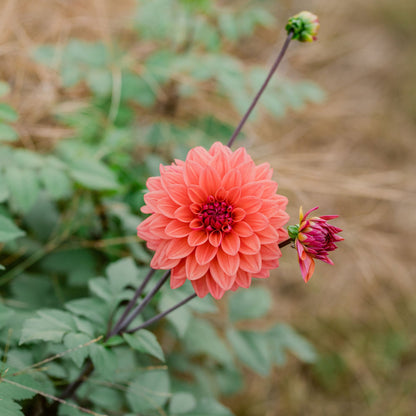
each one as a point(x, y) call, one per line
point(104, 360)
point(7, 113)
point(252, 348)
point(122, 273)
point(10, 408)
point(7, 133)
point(4, 88)
point(8, 230)
point(4, 190)
point(150, 390)
point(11, 391)
point(51, 325)
point(100, 81)
point(93, 174)
point(23, 187)
point(249, 304)
point(75, 342)
point(91, 308)
point(182, 403)
point(135, 88)
point(201, 337)
point(56, 182)
point(5, 315)
point(209, 407)
point(145, 341)
point(282, 336)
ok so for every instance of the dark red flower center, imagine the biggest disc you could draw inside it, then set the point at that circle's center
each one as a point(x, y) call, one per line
point(216, 215)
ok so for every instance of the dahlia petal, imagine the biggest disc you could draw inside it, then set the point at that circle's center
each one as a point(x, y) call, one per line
point(200, 286)
point(243, 279)
point(216, 291)
point(269, 207)
point(176, 282)
point(227, 262)
point(191, 173)
point(257, 221)
point(250, 245)
point(270, 251)
point(220, 277)
point(179, 271)
point(197, 237)
point(178, 248)
point(167, 207)
point(152, 198)
point(238, 214)
point(160, 260)
point(230, 243)
point(233, 195)
point(154, 183)
point(239, 157)
point(231, 179)
point(269, 188)
point(215, 238)
point(179, 194)
point(262, 274)
point(184, 214)
point(306, 263)
point(209, 180)
point(250, 204)
point(247, 171)
point(217, 148)
point(220, 162)
point(193, 269)
point(196, 224)
point(270, 264)
point(264, 171)
point(242, 229)
point(197, 194)
point(221, 194)
point(250, 263)
point(177, 229)
point(205, 253)
point(146, 210)
point(199, 155)
point(268, 235)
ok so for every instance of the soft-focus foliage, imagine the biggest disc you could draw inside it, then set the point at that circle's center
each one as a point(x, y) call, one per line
point(68, 218)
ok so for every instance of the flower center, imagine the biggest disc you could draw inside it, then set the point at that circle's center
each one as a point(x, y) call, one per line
point(216, 215)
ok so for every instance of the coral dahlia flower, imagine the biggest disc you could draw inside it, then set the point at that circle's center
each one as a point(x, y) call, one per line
point(215, 220)
point(314, 238)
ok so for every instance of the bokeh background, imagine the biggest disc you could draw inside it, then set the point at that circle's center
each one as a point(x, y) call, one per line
point(353, 154)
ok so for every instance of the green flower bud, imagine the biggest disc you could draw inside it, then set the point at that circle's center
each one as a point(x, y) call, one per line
point(304, 26)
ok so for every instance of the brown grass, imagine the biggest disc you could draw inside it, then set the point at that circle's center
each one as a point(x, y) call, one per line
point(353, 155)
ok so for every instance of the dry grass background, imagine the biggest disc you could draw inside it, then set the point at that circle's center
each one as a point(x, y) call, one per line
point(353, 155)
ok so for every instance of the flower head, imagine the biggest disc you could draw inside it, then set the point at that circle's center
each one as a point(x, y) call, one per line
point(304, 26)
point(314, 238)
point(215, 220)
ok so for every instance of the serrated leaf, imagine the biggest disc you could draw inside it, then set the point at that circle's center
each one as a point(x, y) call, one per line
point(10, 408)
point(91, 308)
point(252, 348)
point(8, 230)
point(249, 304)
point(76, 341)
point(7, 133)
point(51, 325)
point(150, 390)
point(7, 113)
point(145, 341)
point(93, 174)
point(23, 187)
point(101, 288)
point(16, 392)
point(122, 273)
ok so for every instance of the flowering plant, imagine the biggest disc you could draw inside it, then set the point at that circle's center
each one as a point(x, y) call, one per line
point(215, 222)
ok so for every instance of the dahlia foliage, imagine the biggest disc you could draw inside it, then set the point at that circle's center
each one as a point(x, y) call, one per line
point(216, 220)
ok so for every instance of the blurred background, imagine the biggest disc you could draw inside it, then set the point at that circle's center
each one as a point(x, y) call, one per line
point(341, 136)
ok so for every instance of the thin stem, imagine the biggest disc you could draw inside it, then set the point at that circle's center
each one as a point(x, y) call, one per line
point(263, 87)
point(162, 314)
point(285, 243)
point(132, 302)
point(136, 311)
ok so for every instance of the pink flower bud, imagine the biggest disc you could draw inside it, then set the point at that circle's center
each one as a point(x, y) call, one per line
point(314, 238)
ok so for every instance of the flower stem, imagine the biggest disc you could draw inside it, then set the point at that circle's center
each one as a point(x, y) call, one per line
point(162, 314)
point(131, 303)
point(263, 87)
point(136, 311)
point(285, 243)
